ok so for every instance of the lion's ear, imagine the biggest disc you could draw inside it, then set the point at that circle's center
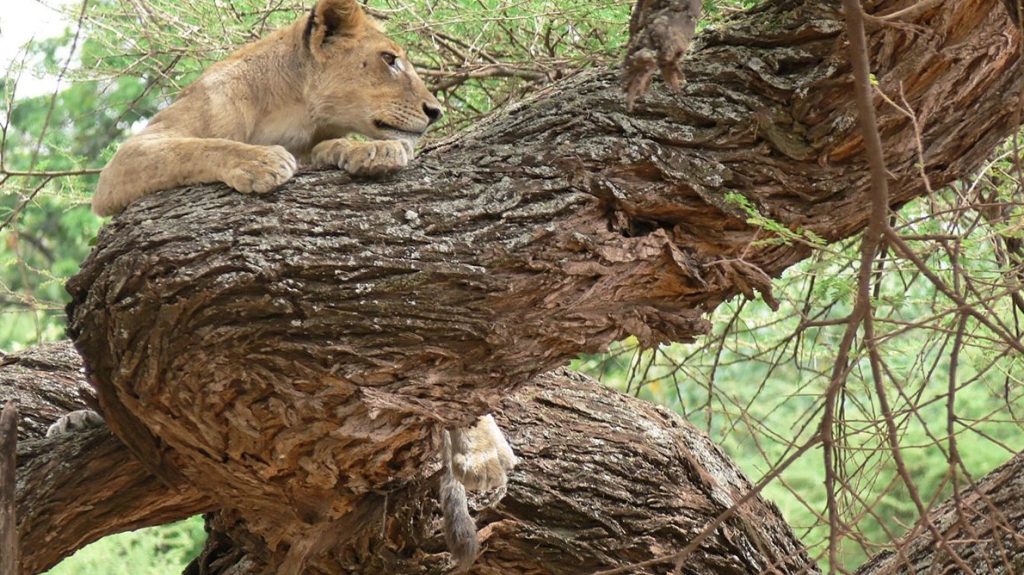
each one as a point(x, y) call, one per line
point(330, 18)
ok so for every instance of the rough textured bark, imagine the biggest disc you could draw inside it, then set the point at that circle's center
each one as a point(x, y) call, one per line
point(546, 524)
point(46, 382)
point(75, 488)
point(985, 528)
point(293, 353)
point(10, 562)
point(605, 480)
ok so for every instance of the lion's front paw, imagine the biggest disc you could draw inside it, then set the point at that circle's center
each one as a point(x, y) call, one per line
point(374, 158)
point(261, 170)
point(73, 421)
point(481, 456)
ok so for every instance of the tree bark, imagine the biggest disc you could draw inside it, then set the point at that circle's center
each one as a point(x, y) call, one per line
point(605, 480)
point(574, 434)
point(985, 528)
point(295, 353)
point(11, 560)
point(75, 488)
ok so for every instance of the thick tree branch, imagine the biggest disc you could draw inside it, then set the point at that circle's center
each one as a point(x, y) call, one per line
point(605, 480)
point(294, 353)
point(986, 531)
point(75, 488)
point(575, 435)
point(46, 382)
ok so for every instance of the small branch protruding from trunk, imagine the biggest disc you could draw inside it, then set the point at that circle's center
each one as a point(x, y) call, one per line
point(9, 559)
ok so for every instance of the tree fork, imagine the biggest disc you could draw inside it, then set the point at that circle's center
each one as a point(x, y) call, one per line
point(72, 490)
point(80, 486)
point(295, 352)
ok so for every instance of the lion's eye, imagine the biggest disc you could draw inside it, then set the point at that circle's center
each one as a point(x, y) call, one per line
point(389, 58)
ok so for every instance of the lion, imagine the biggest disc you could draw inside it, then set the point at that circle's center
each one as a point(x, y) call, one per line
point(293, 95)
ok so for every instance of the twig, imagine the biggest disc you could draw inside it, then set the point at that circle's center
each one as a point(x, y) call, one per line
point(877, 225)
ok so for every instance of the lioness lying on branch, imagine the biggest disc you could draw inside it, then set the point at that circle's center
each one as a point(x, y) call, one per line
point(292, 95)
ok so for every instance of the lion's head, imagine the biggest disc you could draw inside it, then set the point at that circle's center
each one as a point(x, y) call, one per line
point(362, 80)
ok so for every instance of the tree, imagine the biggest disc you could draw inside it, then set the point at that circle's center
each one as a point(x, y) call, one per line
point(591, 223)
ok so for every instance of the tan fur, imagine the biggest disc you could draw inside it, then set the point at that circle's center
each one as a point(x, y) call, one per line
point(477, 458)
point(292, 95)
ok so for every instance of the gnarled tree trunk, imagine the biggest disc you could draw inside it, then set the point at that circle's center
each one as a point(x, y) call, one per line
point(605, 480)
point(294, 355)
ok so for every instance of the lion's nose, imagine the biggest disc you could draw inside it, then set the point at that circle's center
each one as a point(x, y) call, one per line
point(433, 112)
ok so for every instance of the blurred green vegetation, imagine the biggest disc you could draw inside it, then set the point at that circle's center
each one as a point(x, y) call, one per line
point(163, 550)
point(755, 384)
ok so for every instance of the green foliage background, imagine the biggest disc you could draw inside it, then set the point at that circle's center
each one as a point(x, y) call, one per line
point(755, 384)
